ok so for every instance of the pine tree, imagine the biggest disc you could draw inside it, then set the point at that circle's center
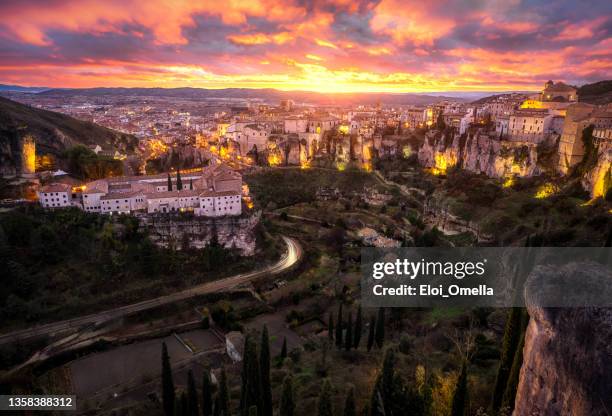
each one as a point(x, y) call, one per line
point(287, 404)
point(223, 398)
point(264, 367)
point(348, 337)
point(371, 332)
point(339, 325)
point(358, 328)
point(509, 343)
point(283, 353)
point(380, 327)
point(179, 182)
point(192, 396)
point(349, 404)
point(207, 400)
point(325, 400)
point(459, 404)
point(168, 395)
point(169, 183)
point(387, 379)
point(330, 327)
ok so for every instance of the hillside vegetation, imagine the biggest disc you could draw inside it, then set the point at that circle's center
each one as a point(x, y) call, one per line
point(53, 132)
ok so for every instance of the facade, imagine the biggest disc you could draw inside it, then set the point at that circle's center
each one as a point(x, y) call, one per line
point(530, 125)
point(212, 191)
point(55, 195)
point(571, 149)
point(559, 92)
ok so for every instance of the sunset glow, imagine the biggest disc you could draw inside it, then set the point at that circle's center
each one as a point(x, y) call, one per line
point(333, 46)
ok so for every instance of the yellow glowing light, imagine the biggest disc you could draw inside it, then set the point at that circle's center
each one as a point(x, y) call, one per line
point(601, 185)
point(344, 129)
point(441, 164)
point(274, 159)
point(545, 191)
point(367, 166)
point(341, 166)
point(508, 182)
point(224, 153)
point(406, 152)
point(532, 104)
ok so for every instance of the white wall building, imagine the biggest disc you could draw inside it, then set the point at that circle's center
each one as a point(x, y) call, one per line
point(55, 195)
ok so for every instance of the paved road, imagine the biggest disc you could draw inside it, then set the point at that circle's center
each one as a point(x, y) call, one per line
point(291, 257)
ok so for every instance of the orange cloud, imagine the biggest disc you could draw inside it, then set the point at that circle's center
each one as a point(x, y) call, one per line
point(165, 18)
point(261, 38)
point(409, 21)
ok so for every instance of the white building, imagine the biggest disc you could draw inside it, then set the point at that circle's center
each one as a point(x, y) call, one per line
point(530, 125)
point(55, 195)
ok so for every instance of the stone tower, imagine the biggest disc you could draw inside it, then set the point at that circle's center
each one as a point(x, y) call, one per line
point(28, 156)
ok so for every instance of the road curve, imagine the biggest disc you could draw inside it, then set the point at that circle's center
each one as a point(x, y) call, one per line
point(290, 258)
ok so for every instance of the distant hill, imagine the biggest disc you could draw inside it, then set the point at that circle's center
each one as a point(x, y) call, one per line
point(490, 98)
point(18, 88)
point(266, 94)
point(596, 93)
point(53, 133)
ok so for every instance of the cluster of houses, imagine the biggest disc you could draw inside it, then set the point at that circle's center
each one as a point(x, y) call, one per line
point(212, 191)
point(295, 136)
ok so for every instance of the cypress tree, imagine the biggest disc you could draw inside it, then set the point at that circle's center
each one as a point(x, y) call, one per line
point(207, 400)
point(358, 328)
point(191, 184)
point(169, 183)
point(283, 353)
point(251, 382)
point(223, 397)
point(509, 343)
point(339, 325)
point(178, 406)
point(287, 405)
point(264, 366)
point(348, 337)
point(513, 377)
point(387, 379)
point(168, 395)
point(217, 406)
point(192, 396)
point(349, 404)
point(179, 182)
point(181, 407)
point(325, 401)
point(380, 327)
point(330, 327)
point(371, 332)
point(459, 405)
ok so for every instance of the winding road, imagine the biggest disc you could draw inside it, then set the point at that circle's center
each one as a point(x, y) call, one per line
point(291, 257)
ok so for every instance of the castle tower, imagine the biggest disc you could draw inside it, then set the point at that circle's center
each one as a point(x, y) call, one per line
point(28, 156)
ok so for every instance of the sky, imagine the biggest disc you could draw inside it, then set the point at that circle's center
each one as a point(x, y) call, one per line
point(326, 46)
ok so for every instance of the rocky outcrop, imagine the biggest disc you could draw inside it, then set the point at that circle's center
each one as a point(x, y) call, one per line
point(479, 153)
point(599, 179)
point(567, 365)
point(197, 232)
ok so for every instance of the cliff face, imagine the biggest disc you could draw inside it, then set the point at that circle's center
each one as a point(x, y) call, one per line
point(479, 153)
point(567, 364)
point(598, 180)
point(237, 232)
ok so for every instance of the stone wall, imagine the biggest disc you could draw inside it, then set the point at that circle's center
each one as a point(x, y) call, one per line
point(175, 230)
